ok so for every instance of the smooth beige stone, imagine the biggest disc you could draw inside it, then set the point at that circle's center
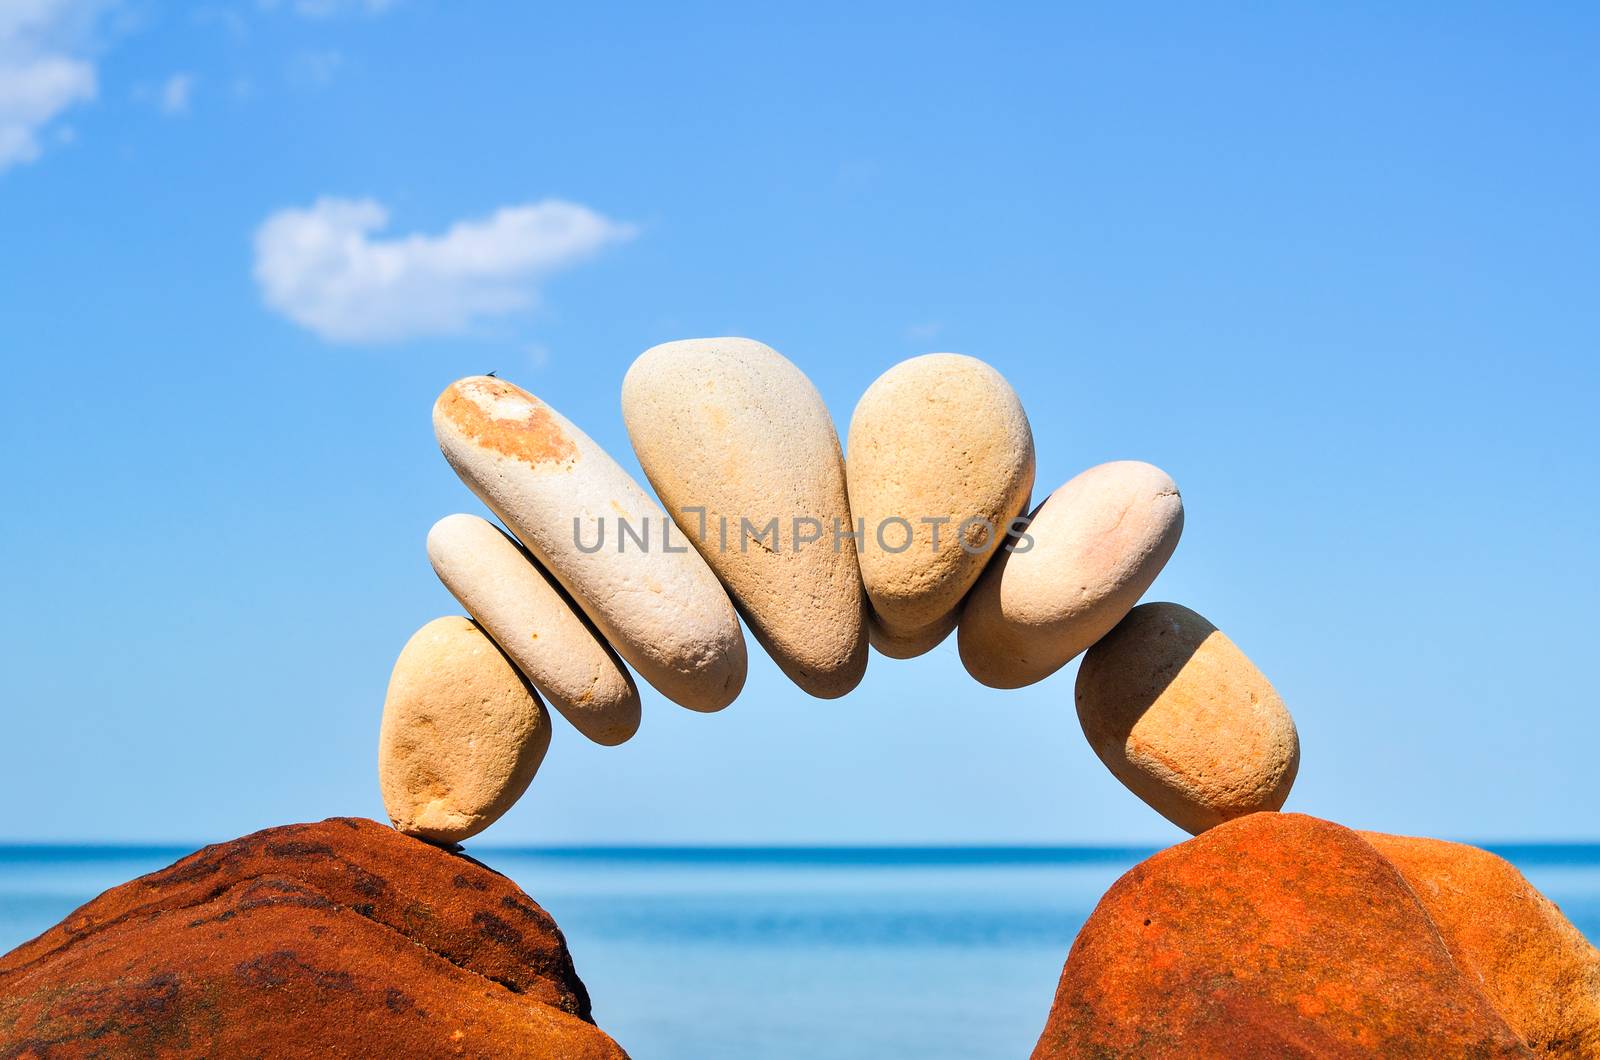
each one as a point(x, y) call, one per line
point(1097, 544)
point(518, 604)
point(941, 436)
point(728, 430)
point(463, 733)
point(908, 643)
point(1185, 720)
point(657, 603)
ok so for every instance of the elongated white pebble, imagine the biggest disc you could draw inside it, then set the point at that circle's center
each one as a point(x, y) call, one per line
point(518, 604)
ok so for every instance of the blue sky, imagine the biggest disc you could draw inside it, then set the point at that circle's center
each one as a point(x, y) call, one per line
point(1334, 270)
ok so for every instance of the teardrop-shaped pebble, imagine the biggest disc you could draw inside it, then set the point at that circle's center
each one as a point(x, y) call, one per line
point(600, 534)
point(518, 604)
point(463, 733)
point(731, 434)
point(1093, 548)
point(1178, 714)
point(939, 461)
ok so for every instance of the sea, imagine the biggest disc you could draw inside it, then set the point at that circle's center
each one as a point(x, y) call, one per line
point(818, 953)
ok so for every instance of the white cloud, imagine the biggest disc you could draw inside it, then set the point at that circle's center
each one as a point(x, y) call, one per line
point(323, 268)
point(42, 70)
point(176, 93)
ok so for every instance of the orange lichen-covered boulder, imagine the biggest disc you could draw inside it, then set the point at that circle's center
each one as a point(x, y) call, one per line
point(1270, 935)
point(337, 939)
point(1539, 971)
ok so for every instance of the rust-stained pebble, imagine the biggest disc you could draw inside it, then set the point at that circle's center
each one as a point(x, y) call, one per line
point(600, 534)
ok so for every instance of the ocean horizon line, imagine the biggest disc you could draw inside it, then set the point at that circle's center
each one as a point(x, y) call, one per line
point(843, 854)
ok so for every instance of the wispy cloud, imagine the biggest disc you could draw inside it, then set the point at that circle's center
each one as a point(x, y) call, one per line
point(43, 70)
point(314, 68)
point(329, 8)
point(175, 94)
point(325, 268)
point(926, 330)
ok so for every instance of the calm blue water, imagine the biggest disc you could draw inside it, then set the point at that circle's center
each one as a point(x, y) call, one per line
point(820, 953)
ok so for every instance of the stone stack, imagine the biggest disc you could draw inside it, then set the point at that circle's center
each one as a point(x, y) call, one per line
point(920, 527)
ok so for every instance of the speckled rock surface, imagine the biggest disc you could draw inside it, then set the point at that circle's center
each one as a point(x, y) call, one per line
point(1178, 714)
point(729, 432)
point(463, 733)
point(1541, 974)
point(1273, 935)
point(645, 589)
point(337, 939)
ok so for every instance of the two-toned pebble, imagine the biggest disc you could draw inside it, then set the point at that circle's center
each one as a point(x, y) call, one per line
point(1092, 549)
point(743, 454)
point(462, 735)
point(600, 534)
point(939, 462)
point(518, 604)
point(1178, 714)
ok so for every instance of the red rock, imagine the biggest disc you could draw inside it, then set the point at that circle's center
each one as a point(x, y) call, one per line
point(337, 939)
point(1538, 970)
point(1271, 935)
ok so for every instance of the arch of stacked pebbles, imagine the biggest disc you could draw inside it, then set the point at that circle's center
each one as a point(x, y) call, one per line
point(925, 526)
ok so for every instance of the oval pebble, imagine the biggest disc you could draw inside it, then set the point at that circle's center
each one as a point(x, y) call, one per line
point(463, 733)
point(909, 643)
point(600, 534)
point(940, 460)
point(1178, 714)
point(730, 433)
point(518, 604)
point(1097, 544)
